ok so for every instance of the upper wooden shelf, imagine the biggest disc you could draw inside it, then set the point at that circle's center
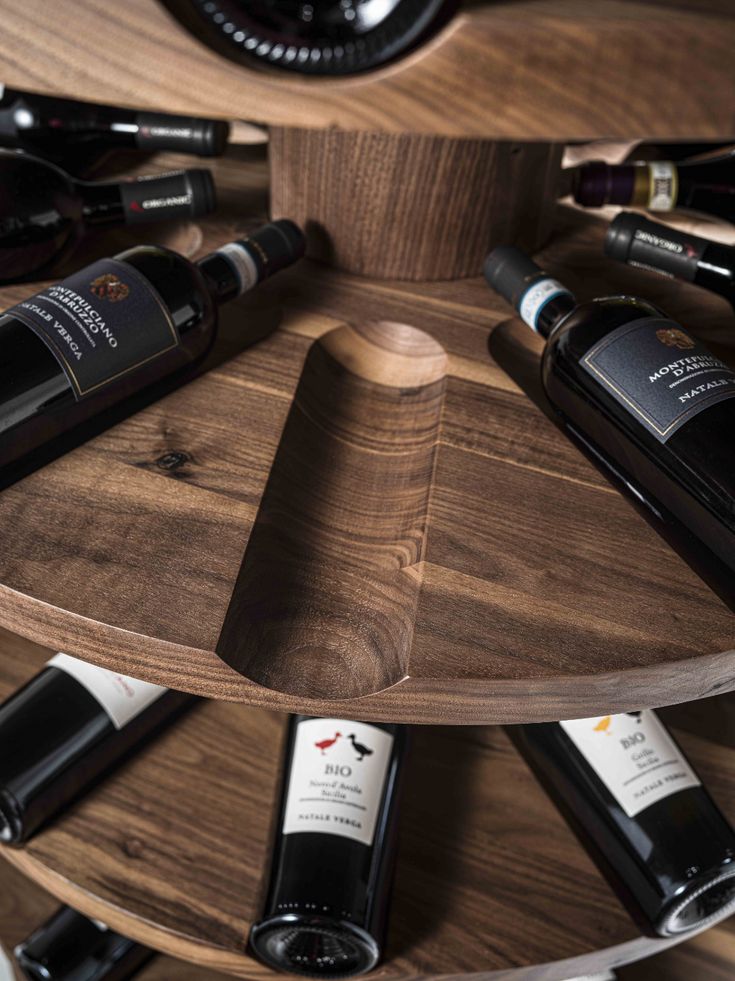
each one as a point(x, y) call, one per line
point(491, 574)
point(172, 851)
point(507, 69)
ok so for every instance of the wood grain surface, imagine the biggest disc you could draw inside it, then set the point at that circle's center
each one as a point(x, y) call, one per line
point(708, 957)
point(518, 69)
point(325, 601)
point(172, 850)
point(25, 906)
point(407, 206)
point(544, 593)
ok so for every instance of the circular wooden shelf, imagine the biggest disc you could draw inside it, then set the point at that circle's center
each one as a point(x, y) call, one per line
point(526, 69)
point(24, 906)
point(507, 580)
point(171, 850)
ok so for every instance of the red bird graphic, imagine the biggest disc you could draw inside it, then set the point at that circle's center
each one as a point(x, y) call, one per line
point(326, 743)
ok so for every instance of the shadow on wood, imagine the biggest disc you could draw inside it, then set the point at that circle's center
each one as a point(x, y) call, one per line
point(325, 600)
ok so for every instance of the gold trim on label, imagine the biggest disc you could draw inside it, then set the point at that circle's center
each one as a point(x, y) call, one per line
point(60, 355)
point(641, 185)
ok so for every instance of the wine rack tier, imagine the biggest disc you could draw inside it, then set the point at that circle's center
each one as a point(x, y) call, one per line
point(527, 69)
point(481, 571)
point(172, 850)
point(25, 906)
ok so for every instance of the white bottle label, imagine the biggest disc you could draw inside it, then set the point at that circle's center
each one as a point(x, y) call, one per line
point(537, 296)
point(634, 756)
point(663, 185)
point(121, 697)
point(243, 265)
point(337, 778)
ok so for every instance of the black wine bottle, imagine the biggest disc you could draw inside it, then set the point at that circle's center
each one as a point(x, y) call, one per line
point(76, 134)
point(44, 213)
point(335, 37)
point(71, 947)
point(64, 730)
point(627, 789)
point(117, 326)
point(706, 185)
point(636, 240)
point(646, 398)
point(326, 910)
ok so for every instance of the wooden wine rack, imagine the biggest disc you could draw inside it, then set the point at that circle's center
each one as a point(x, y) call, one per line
point(172, 851)
point(504, 580)
point(532, 589)
point(535, 592)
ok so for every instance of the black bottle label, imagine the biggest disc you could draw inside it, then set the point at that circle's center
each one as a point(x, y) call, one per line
point(661, 374)
point(634, 756)
point(337, 777)
point(100, 323)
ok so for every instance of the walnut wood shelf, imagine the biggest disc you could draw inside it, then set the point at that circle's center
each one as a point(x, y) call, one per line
point(25, 906)
point(710, 956)
point(172, 849)
point(518, 69)
point(533, 590)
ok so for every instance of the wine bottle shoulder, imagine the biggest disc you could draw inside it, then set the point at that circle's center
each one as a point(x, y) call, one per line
point(589, 322)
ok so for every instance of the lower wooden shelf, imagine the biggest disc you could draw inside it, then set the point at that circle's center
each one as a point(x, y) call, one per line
point(172, 849)
point(24, 906)
point(710, 956)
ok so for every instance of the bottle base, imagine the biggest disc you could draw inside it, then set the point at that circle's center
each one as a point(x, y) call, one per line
point(314, 946)
point(704, 905)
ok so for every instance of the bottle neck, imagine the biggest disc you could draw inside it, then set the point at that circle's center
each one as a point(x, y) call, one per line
point(238, 266)
point(648, 245)
point(652, 185)
point(40, 119)
point(179, 195)
point(716, 270)
point(221, 273)
point(45, 121)
point(544, 303)
point(102, 203)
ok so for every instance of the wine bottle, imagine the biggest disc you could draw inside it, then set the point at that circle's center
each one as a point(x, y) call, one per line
point(646, 398)
point(326, 909)
point(71, 947)
point(627, 789)
point(636, 240)
point(706, 185)
point(76, 134)
point(117, 326)
point(335, 37)
point(70, 725)
point(44, 213)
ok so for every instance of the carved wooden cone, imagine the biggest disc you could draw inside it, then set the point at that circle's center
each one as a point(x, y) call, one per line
point(326, 598)
point(408, 206)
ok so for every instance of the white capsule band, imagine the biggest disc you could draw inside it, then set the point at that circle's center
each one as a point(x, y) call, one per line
point(536, 297)
point(663, 185)
point(242, 263)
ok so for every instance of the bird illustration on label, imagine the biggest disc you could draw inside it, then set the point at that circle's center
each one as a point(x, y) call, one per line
point(606, 721)
point(324, 744)
point(362, 751)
